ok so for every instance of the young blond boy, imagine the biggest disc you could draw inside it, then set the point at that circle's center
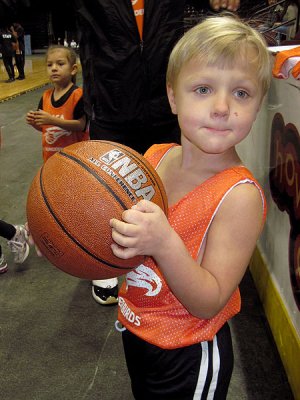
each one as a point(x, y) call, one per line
point(175, 306)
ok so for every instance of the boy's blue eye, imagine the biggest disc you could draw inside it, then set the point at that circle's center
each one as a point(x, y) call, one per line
point(242, 94)
point(202, 90)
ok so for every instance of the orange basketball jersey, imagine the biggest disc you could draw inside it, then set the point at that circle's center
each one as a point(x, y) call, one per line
point(55, 138)
point(147, 307)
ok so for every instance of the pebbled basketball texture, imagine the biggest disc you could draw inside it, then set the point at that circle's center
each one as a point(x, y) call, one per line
point(73, 197)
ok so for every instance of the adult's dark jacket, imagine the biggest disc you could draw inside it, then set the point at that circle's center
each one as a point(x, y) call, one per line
point(7, 40)
point(124, 77)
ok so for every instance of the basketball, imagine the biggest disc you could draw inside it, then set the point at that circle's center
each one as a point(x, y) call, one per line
point(73, 197)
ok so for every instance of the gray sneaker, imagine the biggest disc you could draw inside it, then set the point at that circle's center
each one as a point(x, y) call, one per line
point(18, 244)
point(3, 265)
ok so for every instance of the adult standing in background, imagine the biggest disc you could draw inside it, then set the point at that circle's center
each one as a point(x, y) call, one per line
point(18, 32)
point(18, 28)
point(8, 45)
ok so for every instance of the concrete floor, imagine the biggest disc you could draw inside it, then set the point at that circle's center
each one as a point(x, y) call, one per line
point(56, 342)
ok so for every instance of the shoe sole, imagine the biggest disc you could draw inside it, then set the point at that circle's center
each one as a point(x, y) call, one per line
point(110, 301)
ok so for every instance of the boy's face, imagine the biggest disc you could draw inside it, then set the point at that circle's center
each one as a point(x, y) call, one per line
point(59, 68)
point(216, 107)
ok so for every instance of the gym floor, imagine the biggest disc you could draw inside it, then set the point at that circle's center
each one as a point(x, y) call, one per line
point(56, 342)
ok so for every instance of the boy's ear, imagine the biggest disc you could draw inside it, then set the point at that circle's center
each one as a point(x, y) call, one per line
point(171, 97)
point(74, 69)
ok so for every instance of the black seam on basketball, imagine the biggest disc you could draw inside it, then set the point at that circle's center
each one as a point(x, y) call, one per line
point(67, 233)
point(95, 175)
point(136, 158)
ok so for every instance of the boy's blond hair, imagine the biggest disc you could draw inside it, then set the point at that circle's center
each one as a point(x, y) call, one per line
point(221, 41)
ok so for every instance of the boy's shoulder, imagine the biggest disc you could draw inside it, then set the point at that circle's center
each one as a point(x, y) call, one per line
point(159, 150)
point(76, 91)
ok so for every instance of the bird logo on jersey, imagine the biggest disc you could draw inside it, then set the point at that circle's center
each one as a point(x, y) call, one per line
point(145, 277)
point(53, 133)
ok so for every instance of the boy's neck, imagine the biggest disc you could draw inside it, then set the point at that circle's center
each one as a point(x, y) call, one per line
point(195, 159)
point(61, 90)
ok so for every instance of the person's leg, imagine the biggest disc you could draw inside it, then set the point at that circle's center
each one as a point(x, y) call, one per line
point(23, 58)
point(20, 67)
point(7, 61)
point(3, 263)
point(216, 367)
point(17, 238)
point(161, 374)
point(199, 371)
point(7, 231)
point(226, 362)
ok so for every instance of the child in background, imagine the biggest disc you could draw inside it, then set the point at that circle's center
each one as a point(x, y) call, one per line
point(175, 307)
point(17, 237)
point(60, 115)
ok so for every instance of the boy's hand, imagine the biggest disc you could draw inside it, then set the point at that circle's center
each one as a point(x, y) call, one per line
point(30, 118)
point(231, 5)
point(41, 117)
point(143, 231)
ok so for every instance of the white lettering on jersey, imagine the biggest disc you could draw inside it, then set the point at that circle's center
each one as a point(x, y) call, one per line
point(133, 2)
point(144, 277)
point(128, 313)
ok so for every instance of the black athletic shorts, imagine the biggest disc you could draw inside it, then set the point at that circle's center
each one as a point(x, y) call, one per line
point(200, 371)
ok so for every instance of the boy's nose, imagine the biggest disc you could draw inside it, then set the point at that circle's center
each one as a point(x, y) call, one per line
point(220, 107)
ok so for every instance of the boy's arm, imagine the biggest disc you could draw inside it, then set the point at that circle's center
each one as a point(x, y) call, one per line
point(230, 242)
point(229, 245)
point(41, 117)
point(203, 289)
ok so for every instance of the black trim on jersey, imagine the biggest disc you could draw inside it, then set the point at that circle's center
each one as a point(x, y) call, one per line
point(78, 109)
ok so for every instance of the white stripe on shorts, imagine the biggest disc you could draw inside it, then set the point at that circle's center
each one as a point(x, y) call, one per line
point(204, 369)
point(216, 369)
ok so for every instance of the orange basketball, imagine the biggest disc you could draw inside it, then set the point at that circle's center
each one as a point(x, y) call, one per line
point(76, 193)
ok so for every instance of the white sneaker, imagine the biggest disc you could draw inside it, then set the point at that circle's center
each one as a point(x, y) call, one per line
point(105, 296)
point(3, 265)
point(18, 244)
